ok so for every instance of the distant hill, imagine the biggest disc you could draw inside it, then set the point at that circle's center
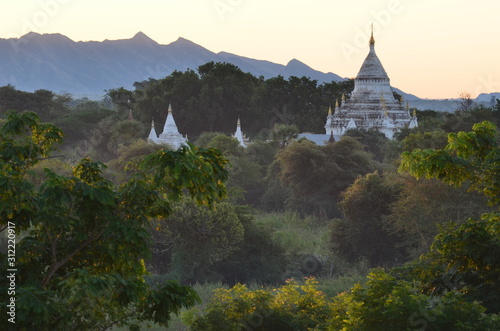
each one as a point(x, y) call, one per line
point(57, 63)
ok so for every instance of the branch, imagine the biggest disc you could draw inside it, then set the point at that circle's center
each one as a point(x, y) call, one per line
point(53, 157)
point(58, 265)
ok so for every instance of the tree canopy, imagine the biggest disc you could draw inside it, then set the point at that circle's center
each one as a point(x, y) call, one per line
point(81, 259)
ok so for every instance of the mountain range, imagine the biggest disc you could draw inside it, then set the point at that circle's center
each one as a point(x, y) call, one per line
point(57, 63)
point(88, 68)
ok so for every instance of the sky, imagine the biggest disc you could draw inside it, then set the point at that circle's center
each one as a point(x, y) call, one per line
point(430, 48)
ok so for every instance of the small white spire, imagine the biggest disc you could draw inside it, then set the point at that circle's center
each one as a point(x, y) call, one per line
point(153, 137)
point(238, 134)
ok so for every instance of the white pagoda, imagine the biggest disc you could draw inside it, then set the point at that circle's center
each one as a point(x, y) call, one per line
point(372, 104)
point(239, 135)
point(170, 134)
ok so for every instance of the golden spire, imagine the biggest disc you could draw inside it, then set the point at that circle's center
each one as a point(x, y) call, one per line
point(336, 103)
point(330, 110)
point(414, 112)
point(372, 40)
point(408, 106)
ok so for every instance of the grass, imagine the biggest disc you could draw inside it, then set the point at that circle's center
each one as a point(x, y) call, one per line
point(298, 235)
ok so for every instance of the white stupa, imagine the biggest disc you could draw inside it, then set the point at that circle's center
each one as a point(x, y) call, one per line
point(372, 104)
point(170, 134)
point(239, 135)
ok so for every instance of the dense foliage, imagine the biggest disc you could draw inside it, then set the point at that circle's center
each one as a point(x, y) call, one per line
point(88, 231)
point(80, 262)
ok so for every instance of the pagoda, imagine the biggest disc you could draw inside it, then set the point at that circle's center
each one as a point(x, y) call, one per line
point(239, 135)
point(372, 104)
point(170, 134)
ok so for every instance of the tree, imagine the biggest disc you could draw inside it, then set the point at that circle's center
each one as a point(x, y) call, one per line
point(424, 205)
point(315, 175)
point(227, 145)
point(425, 140)
point(258, 258)
point(375, 142)
point(364, 234)
point(465, 101)
point(284, 134)
point(80, 264)
point(472, 157)
point(386, 302)
point(194, 238)
point(464, 257)
point(293, 306)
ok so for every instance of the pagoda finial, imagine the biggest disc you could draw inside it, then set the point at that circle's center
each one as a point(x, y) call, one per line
point(169, 108)
point(336, 103)
point(414, 112)
point(152, 122)
point(330, 110)
point(372, 40)
point(408, 106)
point(238, 123)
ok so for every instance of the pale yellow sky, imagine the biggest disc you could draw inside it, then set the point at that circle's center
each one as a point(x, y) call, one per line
point(430, 48)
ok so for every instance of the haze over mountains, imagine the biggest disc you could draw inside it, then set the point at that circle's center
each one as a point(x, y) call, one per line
point(57, 63)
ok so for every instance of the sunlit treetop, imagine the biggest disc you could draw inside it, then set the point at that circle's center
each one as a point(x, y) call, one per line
point(472, 157)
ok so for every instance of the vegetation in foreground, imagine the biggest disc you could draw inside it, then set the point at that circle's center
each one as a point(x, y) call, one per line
point(293, 210)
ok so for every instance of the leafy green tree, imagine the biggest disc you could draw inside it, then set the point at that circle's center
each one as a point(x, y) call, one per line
point(465, 120)
point(424, 205)
point(375, 142)
point(284, 134)
point(364, 234)
point(465, 257)
point(204, 138)
point(80, 265)
point(258, 257)
point(425, 140)
point(226, 92)
point(227, 145)
point(122, 98)
point(127, 131)
point(385, 302)
point(129, 159)
point(193, 238)
point(246, 181)
point(293, 306)
point(472, 157)
point(316, 175)
point(276, 192)
point(45, 103)
point(78, 123)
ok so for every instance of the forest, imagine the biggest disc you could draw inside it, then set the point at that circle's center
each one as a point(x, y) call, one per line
point(115, 233)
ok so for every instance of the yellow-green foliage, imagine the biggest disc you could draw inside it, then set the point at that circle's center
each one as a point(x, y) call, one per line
point(383, 302)
point(293, 306)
